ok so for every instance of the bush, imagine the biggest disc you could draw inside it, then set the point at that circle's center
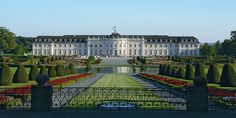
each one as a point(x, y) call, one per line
point(20, 75)
point(52, 71)
point(72, 69)
point(189, 72)
point(173, 72)
point(43, 70)
point(33, 72)
point(67, 71)
point(180, 73)
point(60, 70)
point(228, 76)
point(5, 75)
point(199, 71)
point(164, 69)
point(160, 69)
point(169, 70)
point(213, 74)
point(200, 79)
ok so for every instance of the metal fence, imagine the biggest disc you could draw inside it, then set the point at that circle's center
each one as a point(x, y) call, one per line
point(76, 98)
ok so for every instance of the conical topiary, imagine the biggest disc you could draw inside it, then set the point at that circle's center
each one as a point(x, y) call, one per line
point(165, 69)
point(168, 70)
point(72, 69)
point(213, 75)
point(43, 70)
point(33, 72)
point(160, 69)
point(189, 75)
point(5, 75)
point(180, 73)
point(200, 79)
point(173, 72)
point(52, 71)
point(20, 75)
point(60, 70)
point(228, 76)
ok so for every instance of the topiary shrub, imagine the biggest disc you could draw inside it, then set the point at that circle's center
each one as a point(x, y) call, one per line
point(199, 70)
point(165, 69)
point(66, 71)
point(180, 73)
point(173, 72)
point(20, 75)
point(33, 72)
point(189, 75)
point(5, 75)
point(60, 70)
point(200, 79)
point(160, 69)
point(213, 74)
point(43, 70)
point(167, 72)
point(52, 71)
point(228, 76)
point(72, 69)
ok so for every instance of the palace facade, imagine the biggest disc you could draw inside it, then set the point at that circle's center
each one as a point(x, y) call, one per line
point(116, 45)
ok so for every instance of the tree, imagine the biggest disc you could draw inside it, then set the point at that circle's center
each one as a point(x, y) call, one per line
point(7, 40)
point(5, 75)
point(213, 74)
point(52, 71)
point(43, 70)
point(60, 70)
point(180, 73)
point(207, 50)
point(20, 75)
point(189, 75)
point(72, 69)
point(228, 76)
point(33, 72)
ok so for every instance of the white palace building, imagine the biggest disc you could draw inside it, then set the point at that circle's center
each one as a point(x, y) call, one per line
point(116, 45)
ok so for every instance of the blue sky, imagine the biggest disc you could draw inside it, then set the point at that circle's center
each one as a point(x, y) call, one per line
point(208, 20)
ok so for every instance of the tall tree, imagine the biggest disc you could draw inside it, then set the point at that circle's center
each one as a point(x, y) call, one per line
point(7, 40)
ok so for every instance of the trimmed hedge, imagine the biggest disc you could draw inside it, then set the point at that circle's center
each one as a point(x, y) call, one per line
point(228, 76)
point(168, 70)
point(20, 75)
point(160, 69)
point(213, 74)
point(60, 70)
point(189, 75)
point(200, 79)
point(72, 69)
point(33, 72)
point(52, 71)
point(173, 72)
point(180, 73)
point(43, 70)
point(5, 75)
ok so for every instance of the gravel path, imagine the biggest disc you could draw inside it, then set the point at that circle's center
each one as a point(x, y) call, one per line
point(64, 95)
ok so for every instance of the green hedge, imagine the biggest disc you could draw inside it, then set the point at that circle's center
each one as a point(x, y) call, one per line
point(5, 75)
point(228, 76)
point(33, 72)
point(20, 75)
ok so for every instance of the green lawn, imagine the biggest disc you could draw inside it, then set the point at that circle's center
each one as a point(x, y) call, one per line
point(118, 88)
point(117, 80)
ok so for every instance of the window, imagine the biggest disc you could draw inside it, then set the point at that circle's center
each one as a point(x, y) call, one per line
point(130, 45)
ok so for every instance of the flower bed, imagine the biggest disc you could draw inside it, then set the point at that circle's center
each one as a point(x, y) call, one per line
point(165, 80)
